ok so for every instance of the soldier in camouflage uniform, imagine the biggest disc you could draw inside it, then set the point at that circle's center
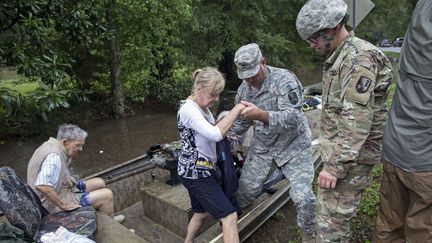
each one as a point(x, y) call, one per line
point(281, 139)
point(356, 76)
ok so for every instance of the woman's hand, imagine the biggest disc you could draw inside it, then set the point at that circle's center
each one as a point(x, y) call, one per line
point(252, 112)
point(240, 107)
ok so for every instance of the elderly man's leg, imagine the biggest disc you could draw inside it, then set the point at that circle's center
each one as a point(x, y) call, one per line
point(102, 200)
point(97, 195)
point(94, 184)
point(300, 172)
point(255, 172)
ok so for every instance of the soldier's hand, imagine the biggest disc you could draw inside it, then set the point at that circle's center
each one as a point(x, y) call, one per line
point(69, 206)
point(252, 112)
point(326, 180)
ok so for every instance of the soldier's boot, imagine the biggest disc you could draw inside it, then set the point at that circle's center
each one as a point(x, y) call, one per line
point(307, 238)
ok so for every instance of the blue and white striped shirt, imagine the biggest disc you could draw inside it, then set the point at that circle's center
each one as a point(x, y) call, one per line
point(49, 173)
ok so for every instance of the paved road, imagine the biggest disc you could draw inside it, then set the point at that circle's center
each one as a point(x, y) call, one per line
point(391, 49)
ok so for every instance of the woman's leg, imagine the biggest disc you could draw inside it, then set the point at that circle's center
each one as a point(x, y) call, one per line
point(194, 225)
point(229, 228)
point(207, 198)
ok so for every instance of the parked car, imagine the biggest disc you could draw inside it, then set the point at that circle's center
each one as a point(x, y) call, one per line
point(385, 43)
point(398, 41)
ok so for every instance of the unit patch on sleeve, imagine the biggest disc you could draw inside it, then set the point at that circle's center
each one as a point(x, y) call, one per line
point(363, 84)
point(293, 97)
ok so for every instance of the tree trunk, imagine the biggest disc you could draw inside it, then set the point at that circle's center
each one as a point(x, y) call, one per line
point(116, 83)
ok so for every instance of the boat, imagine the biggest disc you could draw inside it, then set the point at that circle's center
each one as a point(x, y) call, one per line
point(159, 211)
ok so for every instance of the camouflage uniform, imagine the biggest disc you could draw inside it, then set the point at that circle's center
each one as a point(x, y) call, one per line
point(285, 142)
point(356, 77)
point(355, 82)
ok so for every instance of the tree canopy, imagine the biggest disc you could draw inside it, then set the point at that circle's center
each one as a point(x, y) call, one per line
point(123, 51)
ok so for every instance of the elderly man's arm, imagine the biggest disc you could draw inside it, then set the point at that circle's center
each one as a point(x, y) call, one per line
point(48, 178)
point(52, 196)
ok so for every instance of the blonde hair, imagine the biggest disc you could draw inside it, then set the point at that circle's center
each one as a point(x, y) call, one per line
point(208, 79)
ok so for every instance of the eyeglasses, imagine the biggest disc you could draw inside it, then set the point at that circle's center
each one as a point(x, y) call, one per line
point(314, 38)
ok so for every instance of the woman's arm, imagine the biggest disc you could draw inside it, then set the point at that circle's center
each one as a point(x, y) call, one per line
point(226, 123)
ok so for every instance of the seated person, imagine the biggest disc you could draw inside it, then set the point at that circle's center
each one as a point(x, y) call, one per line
point(49, 176)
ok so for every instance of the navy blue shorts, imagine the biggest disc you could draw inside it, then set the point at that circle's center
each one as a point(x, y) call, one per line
point(84, 196)
point(85, 199)
point(81, 186)
point(207, 196)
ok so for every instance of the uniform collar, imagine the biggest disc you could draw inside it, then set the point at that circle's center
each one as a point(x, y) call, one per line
point(265, 83)
point(332, 58)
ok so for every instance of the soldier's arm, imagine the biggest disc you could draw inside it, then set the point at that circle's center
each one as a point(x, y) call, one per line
point(289, 103)
point(355, 118)
point(241, 125)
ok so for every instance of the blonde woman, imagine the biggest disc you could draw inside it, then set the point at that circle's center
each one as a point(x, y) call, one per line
point(199, 134)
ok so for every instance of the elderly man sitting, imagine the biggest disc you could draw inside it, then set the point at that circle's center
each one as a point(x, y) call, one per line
point(49, 176)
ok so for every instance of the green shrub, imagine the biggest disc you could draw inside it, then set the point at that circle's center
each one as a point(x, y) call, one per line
point(363, 224)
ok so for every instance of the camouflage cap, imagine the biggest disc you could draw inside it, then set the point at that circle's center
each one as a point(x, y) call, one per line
point(247, 59)
point(317, 15)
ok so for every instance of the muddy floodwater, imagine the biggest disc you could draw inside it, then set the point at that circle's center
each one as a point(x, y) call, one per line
point(109, 143)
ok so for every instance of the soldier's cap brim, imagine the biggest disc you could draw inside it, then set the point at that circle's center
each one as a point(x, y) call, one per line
point(247, 73)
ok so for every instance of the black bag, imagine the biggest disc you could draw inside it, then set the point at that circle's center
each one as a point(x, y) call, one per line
point(227, 170)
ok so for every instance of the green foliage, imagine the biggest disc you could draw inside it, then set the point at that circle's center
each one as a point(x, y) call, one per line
point(41, 38)
point(370, 202)
point(23, 87)
point(159, 38)
point(47, 98)
point(362, 225)
point(152, 47)
point(25, 105)
point(11, 102)
point(389, 19)
point(66, 45)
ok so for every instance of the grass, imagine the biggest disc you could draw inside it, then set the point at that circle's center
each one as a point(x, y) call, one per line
point(22, 88)
point(11, 80)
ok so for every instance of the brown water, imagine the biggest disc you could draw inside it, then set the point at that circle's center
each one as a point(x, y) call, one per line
point(111, 142)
